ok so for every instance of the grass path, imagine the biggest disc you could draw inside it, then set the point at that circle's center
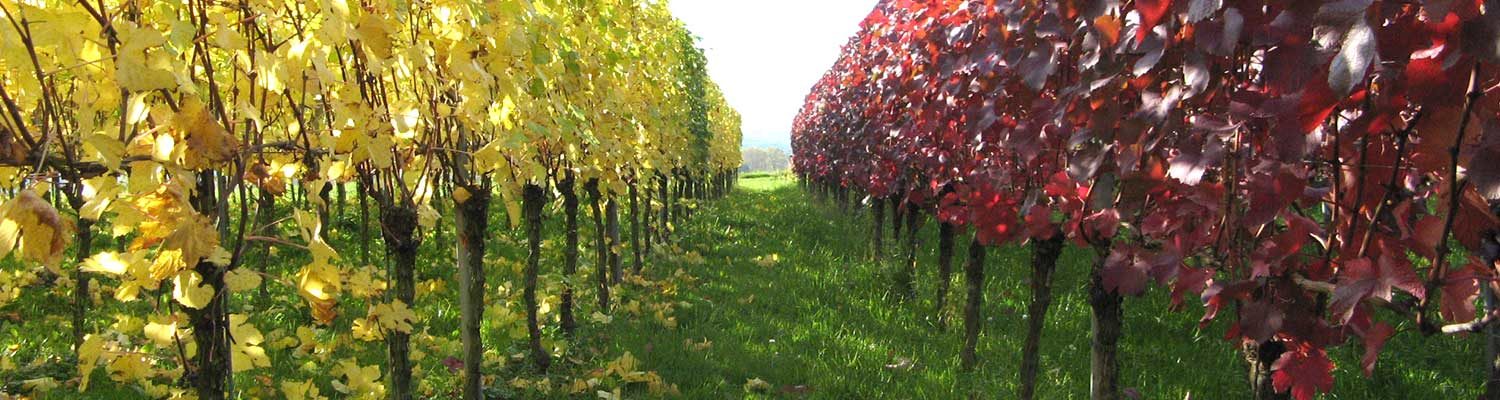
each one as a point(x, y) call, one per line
point(818, 323)
point(783, 293)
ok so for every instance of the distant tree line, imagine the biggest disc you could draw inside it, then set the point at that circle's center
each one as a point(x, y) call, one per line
point(765, 159)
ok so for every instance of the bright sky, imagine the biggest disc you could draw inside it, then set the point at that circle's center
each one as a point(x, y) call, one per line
point(767, 54)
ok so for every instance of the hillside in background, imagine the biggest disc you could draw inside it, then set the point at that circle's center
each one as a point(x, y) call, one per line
point(780, 142)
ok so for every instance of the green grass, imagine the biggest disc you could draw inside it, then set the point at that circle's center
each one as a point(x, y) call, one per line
point(819, 323)
point(769, 176)
point(824, 317)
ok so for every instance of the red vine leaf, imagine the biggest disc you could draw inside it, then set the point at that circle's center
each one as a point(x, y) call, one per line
point(1123, 273)
point(1109, 29)
point(1260, 320)
point(1360, 279)
point(1460, 289)
point(1304, 371)
point(1152, 12)
point(1374, 340)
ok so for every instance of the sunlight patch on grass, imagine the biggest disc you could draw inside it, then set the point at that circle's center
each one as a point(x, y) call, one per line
point(766, 183)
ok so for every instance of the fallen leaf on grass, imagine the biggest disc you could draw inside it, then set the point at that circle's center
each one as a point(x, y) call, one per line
point(697, 346)
point(757, 385)
point(768, 261)
point(580, 385)
point(39, 385)
point(600, 318)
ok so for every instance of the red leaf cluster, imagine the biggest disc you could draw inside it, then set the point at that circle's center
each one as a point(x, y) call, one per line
point(1257, 154)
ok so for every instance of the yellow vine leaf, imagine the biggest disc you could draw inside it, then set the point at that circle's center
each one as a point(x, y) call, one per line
point(129, 368)
point(394, 316)
point(240, 280)
point(247, 353)
point(220, 257)
point(162, 391)
point(195, 237)
point(145, 213)
point(404, 121)
point(363, 284)
point(162, 148)
point(336, 171)
point(307, 339)
point(374, 35)
point(134, 71)
point(283, 342)
point(130, 289)
point(427, 216)
point(109, 150)
point(143, 178)
point(304, 390)
point(98, 193)
point(39, 386)
point(600, 318)
point(108, 262)
point(163, 330)
point(360, 382)
point(206, 143)
point(88, 358)
point(168, 264)
point(623, 366)
point(367, 330)
point(127, 323)
point(263, 176)
point(36, 228)
point(526, 87)
point(190, 290)
point(379, 148)
point(10, 233)
point(308, 225)
point(318, 283)
point(580, 385)
point(460, 194)
point(512, 208)
point(316, 186)
point(488, 158)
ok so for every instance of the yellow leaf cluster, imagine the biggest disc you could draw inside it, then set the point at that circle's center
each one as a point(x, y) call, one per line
point(162, 100)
